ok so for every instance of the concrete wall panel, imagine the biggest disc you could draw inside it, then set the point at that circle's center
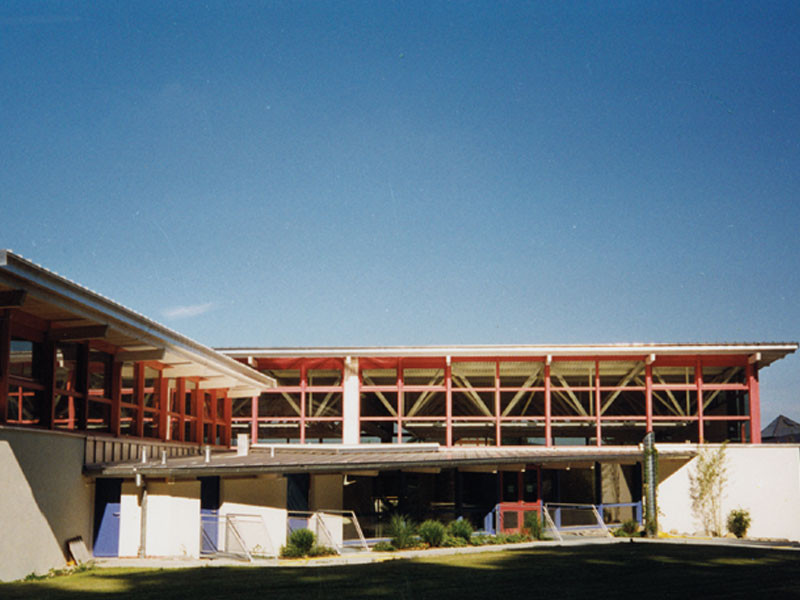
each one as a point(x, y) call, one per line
point(42, 478)
point(762, 479)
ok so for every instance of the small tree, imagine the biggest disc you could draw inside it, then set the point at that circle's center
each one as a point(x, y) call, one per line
point(706, 488)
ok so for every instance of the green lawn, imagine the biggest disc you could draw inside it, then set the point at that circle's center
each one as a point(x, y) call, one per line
point(600, 571)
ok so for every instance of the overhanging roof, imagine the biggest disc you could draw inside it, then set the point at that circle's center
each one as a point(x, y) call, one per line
point(332, 459)
point(769, 351)
point(66, 304)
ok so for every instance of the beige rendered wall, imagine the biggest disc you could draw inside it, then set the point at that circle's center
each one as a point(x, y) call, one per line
point(763, 479)
point(173, 518)
point(263, 499)
point(45, 500)
point(326, 492)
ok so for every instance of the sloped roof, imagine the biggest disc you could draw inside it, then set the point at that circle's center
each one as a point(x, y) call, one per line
point(781, 427)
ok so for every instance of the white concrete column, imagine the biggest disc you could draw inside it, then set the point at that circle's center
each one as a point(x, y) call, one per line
point(351, 405)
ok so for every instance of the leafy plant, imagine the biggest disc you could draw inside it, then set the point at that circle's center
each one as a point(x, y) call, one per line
point(739, 522)
point(302, 539)
point(432, 532)
point(629, 528)
point(533, 523)
point(321, 551)
point(290, 551)
point(460, 528)
point(384, 547)
point(402, 531)
point(451, 541)
point(706, 488)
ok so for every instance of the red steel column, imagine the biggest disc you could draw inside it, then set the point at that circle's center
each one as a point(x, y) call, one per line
point(254, 419)
point(303, 386)
point(648, 396)
point(116, 397)
point(497, 431)
point(227, 412)
point(83, 385)
point(698, 376)
point(598, 426)
point(448, 398)
point(400, 400)
point(163, 407)
point(138, 394)
point(180, 399)
point(755, 403)
point(5, 358)
point(548, 429)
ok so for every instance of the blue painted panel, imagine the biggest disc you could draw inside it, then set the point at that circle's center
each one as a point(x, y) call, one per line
point(209, 521)
point(106, 541)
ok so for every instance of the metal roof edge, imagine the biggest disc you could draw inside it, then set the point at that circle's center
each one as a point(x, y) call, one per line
point(98, 307)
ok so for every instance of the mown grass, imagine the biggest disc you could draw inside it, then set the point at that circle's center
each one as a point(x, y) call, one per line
point(598, 571)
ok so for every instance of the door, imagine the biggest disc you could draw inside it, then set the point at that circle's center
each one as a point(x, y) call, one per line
point(107, 496)
point(297, 488)
point(209, 515)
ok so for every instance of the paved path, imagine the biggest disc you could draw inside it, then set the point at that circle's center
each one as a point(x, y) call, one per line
point(356, 558)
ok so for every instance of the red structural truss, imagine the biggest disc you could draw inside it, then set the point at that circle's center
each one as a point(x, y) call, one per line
point(81, 386)
point(495, 400)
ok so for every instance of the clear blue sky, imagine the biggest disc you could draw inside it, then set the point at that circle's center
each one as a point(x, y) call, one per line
point(320, 173)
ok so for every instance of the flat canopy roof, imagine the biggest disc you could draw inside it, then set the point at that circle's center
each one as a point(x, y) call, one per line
point(65, 307)
point(354, 460)
point(769, 351)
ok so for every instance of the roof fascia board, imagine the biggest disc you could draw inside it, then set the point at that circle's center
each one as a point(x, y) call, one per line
point(54, 288)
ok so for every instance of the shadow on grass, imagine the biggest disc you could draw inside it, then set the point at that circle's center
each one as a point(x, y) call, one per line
point(605, 571)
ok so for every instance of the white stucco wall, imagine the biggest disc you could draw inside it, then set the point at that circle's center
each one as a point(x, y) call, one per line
point(263, 499)
point(44, 500)
point(130, 519)
point(173, 518)
point(763, 479)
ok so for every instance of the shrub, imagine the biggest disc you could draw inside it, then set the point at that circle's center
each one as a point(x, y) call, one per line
point(629, 528)
point(402, 531)
point(481, 539)
point(451, 541)
point(321, 551)
point(432, 532)
point(290, 551)
point(302, 539)
point(384, 547)
point(533, 523)
point(739, 522)
point(460, 528)
point(501, 538)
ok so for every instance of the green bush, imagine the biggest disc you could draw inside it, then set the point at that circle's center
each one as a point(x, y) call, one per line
point(460, 528)
point(629, 528)
point(321, 551)
point(384, 547)
point(739, 522)
point(501, 538)
point(533, 523)
point(481, 539)
point(302, 539)
point(290, 551)
point(451, 541)
point(402, 531)
point(431, 532)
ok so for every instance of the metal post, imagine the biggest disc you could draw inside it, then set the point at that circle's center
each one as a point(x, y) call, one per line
point(651, 481)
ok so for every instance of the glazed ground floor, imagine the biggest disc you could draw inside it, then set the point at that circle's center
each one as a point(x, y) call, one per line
point(52, 496)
